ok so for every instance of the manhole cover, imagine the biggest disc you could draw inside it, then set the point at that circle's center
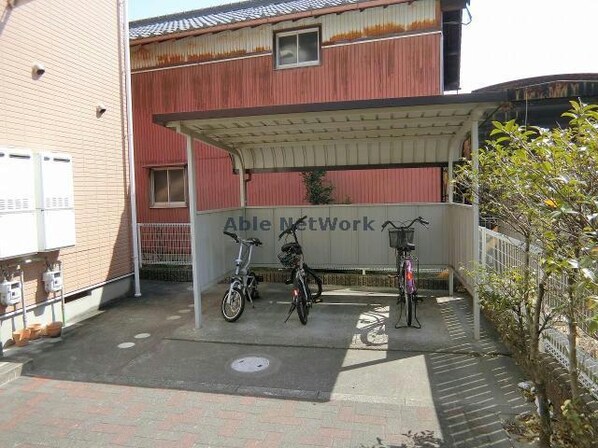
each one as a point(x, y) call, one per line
point(250, 364)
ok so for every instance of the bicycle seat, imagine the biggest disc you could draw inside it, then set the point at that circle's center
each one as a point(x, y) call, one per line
point(410, 246)
point(255, 241)
point(291, 247)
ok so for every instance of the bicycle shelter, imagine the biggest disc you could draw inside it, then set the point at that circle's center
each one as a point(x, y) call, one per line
point(384, 133)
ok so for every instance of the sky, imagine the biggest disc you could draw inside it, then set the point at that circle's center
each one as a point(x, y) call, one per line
point(506, 39)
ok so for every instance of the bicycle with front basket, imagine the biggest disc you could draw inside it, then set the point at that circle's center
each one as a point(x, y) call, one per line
point(401, 240)
point(243, 284)
point(307, 286)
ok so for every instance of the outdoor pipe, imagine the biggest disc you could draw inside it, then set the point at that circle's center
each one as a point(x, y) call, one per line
point(22, 280)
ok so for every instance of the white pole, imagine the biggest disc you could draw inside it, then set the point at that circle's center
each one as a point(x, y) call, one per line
point(451, 174)
point(132, 190)
point(476, 220)
point(193, 231)
point(243, 190)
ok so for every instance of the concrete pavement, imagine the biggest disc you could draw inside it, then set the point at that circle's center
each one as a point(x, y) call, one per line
point(138, 374)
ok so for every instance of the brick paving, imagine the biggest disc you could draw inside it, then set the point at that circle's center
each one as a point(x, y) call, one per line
point(44, 412)
point(327, 384)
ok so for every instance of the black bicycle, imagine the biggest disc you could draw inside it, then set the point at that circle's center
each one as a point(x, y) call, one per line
point(401, 240)
point(307, 286)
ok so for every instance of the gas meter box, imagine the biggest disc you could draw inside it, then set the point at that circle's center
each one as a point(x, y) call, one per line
point(53, 281)
point(10, 292)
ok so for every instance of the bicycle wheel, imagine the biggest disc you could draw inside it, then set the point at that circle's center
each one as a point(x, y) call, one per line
point(301, 304)
point(314, 282)
point(410, 306)
point(233, 304)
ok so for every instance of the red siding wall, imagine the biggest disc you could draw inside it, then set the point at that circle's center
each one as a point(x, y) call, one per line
point(356, 187)
point(392, 68)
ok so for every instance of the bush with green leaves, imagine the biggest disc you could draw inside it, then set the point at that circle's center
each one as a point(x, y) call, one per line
point(317, 189)
point(543, 184)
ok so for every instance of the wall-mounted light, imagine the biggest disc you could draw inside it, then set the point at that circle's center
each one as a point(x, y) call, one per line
point(38, 70)
point(100, 110)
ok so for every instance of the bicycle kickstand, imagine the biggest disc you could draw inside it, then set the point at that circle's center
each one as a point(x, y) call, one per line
point(293, 306)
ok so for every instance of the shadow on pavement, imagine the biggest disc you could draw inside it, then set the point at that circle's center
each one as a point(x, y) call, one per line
point(438, 383)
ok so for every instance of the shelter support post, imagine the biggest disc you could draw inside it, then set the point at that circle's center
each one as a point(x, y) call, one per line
point(475, 228)
point(193, 231)
point(453, 152)
point(242, 184)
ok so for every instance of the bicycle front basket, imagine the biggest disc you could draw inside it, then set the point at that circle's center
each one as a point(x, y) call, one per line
point(400, 238)
point(287, 259)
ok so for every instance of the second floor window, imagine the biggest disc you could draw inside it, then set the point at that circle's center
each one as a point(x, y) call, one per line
point(298, 48)
point(168, 187)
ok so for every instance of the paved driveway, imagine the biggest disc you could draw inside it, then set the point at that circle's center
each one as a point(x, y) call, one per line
point(139, 374)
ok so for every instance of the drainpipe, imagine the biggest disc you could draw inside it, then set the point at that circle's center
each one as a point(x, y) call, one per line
point(242, 185)
point(129, 111)
point(23, 307)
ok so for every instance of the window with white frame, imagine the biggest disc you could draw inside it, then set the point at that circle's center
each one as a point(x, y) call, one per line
point(298, 48)
point(168, 187)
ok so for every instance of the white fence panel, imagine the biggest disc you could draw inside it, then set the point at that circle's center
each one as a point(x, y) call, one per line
point(461, 242)
point(501, 253)
point(348, 236)
point(216, 251)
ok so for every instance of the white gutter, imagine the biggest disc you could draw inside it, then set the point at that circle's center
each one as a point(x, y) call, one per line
point(129, 112)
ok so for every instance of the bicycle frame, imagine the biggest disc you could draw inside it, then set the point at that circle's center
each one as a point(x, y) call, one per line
point(242, 263)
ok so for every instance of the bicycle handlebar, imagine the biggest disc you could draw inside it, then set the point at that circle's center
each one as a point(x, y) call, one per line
point(419, 219)
point(293, 227)
point(232, 235)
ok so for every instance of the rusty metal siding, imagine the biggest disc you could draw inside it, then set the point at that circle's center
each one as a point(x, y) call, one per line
point(379, 22)
point(392, 68)
point(350, 26)
point(382, 69)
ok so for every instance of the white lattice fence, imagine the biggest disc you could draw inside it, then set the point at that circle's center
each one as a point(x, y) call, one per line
point(164, 243)
point(501, 253)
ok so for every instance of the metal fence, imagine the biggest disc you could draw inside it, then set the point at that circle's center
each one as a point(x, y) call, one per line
point(164, 243)
point(501, 253)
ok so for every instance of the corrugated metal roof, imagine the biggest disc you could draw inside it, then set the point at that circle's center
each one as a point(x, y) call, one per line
point(225, 15)
point(415, 131)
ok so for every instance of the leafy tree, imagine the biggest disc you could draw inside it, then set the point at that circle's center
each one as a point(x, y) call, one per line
point(544, 185)
point(317, 189)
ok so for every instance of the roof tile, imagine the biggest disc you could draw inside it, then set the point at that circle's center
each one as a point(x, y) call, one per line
point(225, 14)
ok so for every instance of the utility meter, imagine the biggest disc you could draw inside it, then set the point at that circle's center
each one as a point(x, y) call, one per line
point(10, 292)
point(52, 280)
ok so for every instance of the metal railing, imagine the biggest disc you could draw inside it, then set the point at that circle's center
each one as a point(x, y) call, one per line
point(500, 253)
point(164, 243)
